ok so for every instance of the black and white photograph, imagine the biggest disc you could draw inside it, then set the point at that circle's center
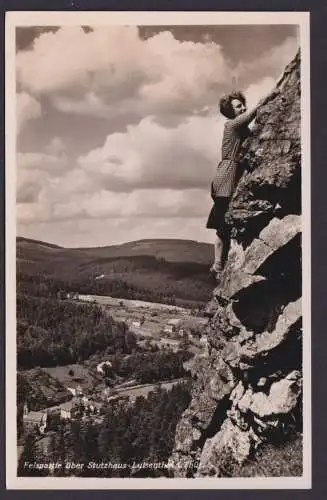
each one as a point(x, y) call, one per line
point(158, 250)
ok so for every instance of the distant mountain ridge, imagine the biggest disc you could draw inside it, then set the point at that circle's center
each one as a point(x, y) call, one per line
point(172, 250)
point(153, 270)
point(23, 240)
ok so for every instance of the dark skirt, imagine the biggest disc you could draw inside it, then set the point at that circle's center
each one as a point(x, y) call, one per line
point(216, 219)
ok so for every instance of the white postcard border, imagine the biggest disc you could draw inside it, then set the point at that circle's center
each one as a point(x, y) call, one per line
point(53, 18)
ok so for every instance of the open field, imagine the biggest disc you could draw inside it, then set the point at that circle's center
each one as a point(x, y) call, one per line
point(160, 322)
point(143, 390)
point(132, 304)
point(74, 375)
point(156, 326)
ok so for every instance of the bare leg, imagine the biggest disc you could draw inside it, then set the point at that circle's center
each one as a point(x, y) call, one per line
point(226, 249)
point(219, 251)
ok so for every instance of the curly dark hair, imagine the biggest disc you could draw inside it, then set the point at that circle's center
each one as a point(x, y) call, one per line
point(225, 103)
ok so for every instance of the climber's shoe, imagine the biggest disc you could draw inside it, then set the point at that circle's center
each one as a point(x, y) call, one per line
point(215, 274)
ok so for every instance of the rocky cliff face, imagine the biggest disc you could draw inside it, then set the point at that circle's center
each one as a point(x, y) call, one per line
point(247, 387)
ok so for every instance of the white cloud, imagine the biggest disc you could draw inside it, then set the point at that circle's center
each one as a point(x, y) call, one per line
point(29, 185)
point(152, 156)
point(52, 164)
point(36, 171)
point(76, 181)
point(154, 203)
point(112, 72)
point(28, 108)
point(278, 57)
point(148, 171)
point(152, 179)
point(149, 155)
point(30, 213)
point(114, 68)
point(258, 90)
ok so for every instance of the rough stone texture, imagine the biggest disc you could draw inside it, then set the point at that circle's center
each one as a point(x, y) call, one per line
point(270, 185)
point(247, 388)
point(281, 399)
point(229, 444)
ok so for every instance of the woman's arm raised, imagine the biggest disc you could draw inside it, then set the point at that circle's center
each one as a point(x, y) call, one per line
point(248, 116)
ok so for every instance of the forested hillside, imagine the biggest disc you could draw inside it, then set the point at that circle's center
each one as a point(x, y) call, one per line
point(142, 434)
point(168, 271)
point(52, 332)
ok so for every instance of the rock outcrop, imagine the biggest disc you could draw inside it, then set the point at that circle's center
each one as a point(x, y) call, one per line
point(247, 388)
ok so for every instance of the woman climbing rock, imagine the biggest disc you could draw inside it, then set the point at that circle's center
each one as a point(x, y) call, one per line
point(236, 130)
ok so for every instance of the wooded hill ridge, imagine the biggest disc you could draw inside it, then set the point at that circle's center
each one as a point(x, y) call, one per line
point(172, 250)
point(159, 270)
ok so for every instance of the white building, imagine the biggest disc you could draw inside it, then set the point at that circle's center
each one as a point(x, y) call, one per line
point(64, 409)
point(173, 325)
point(79, 391)
point(100, 366)
point(84, 400)
point(65, 413)
point(174, 322)
point(34, 419)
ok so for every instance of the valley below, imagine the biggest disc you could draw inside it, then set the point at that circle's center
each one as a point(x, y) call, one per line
point(86, 359)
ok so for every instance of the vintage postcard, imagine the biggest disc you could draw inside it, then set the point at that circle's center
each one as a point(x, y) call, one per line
point(158, 250)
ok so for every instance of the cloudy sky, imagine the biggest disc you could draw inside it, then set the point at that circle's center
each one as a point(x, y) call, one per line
point(118, 128)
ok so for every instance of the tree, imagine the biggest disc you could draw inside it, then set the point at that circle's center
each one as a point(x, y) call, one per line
point(20, 423)
point(31, 460)
point(52, 332)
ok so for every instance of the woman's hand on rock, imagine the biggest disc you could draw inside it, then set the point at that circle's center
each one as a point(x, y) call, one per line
point(274, 93)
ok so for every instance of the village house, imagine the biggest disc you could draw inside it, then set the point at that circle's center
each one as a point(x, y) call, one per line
point(38, 420)
point(94, 407)
point(172, 325)
point(33, 420)
point(76, 391)
point(84, 400)
point(67, 411)
point(64, 410)
point(79, 390)
point(101, 366)
point(172, 344)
